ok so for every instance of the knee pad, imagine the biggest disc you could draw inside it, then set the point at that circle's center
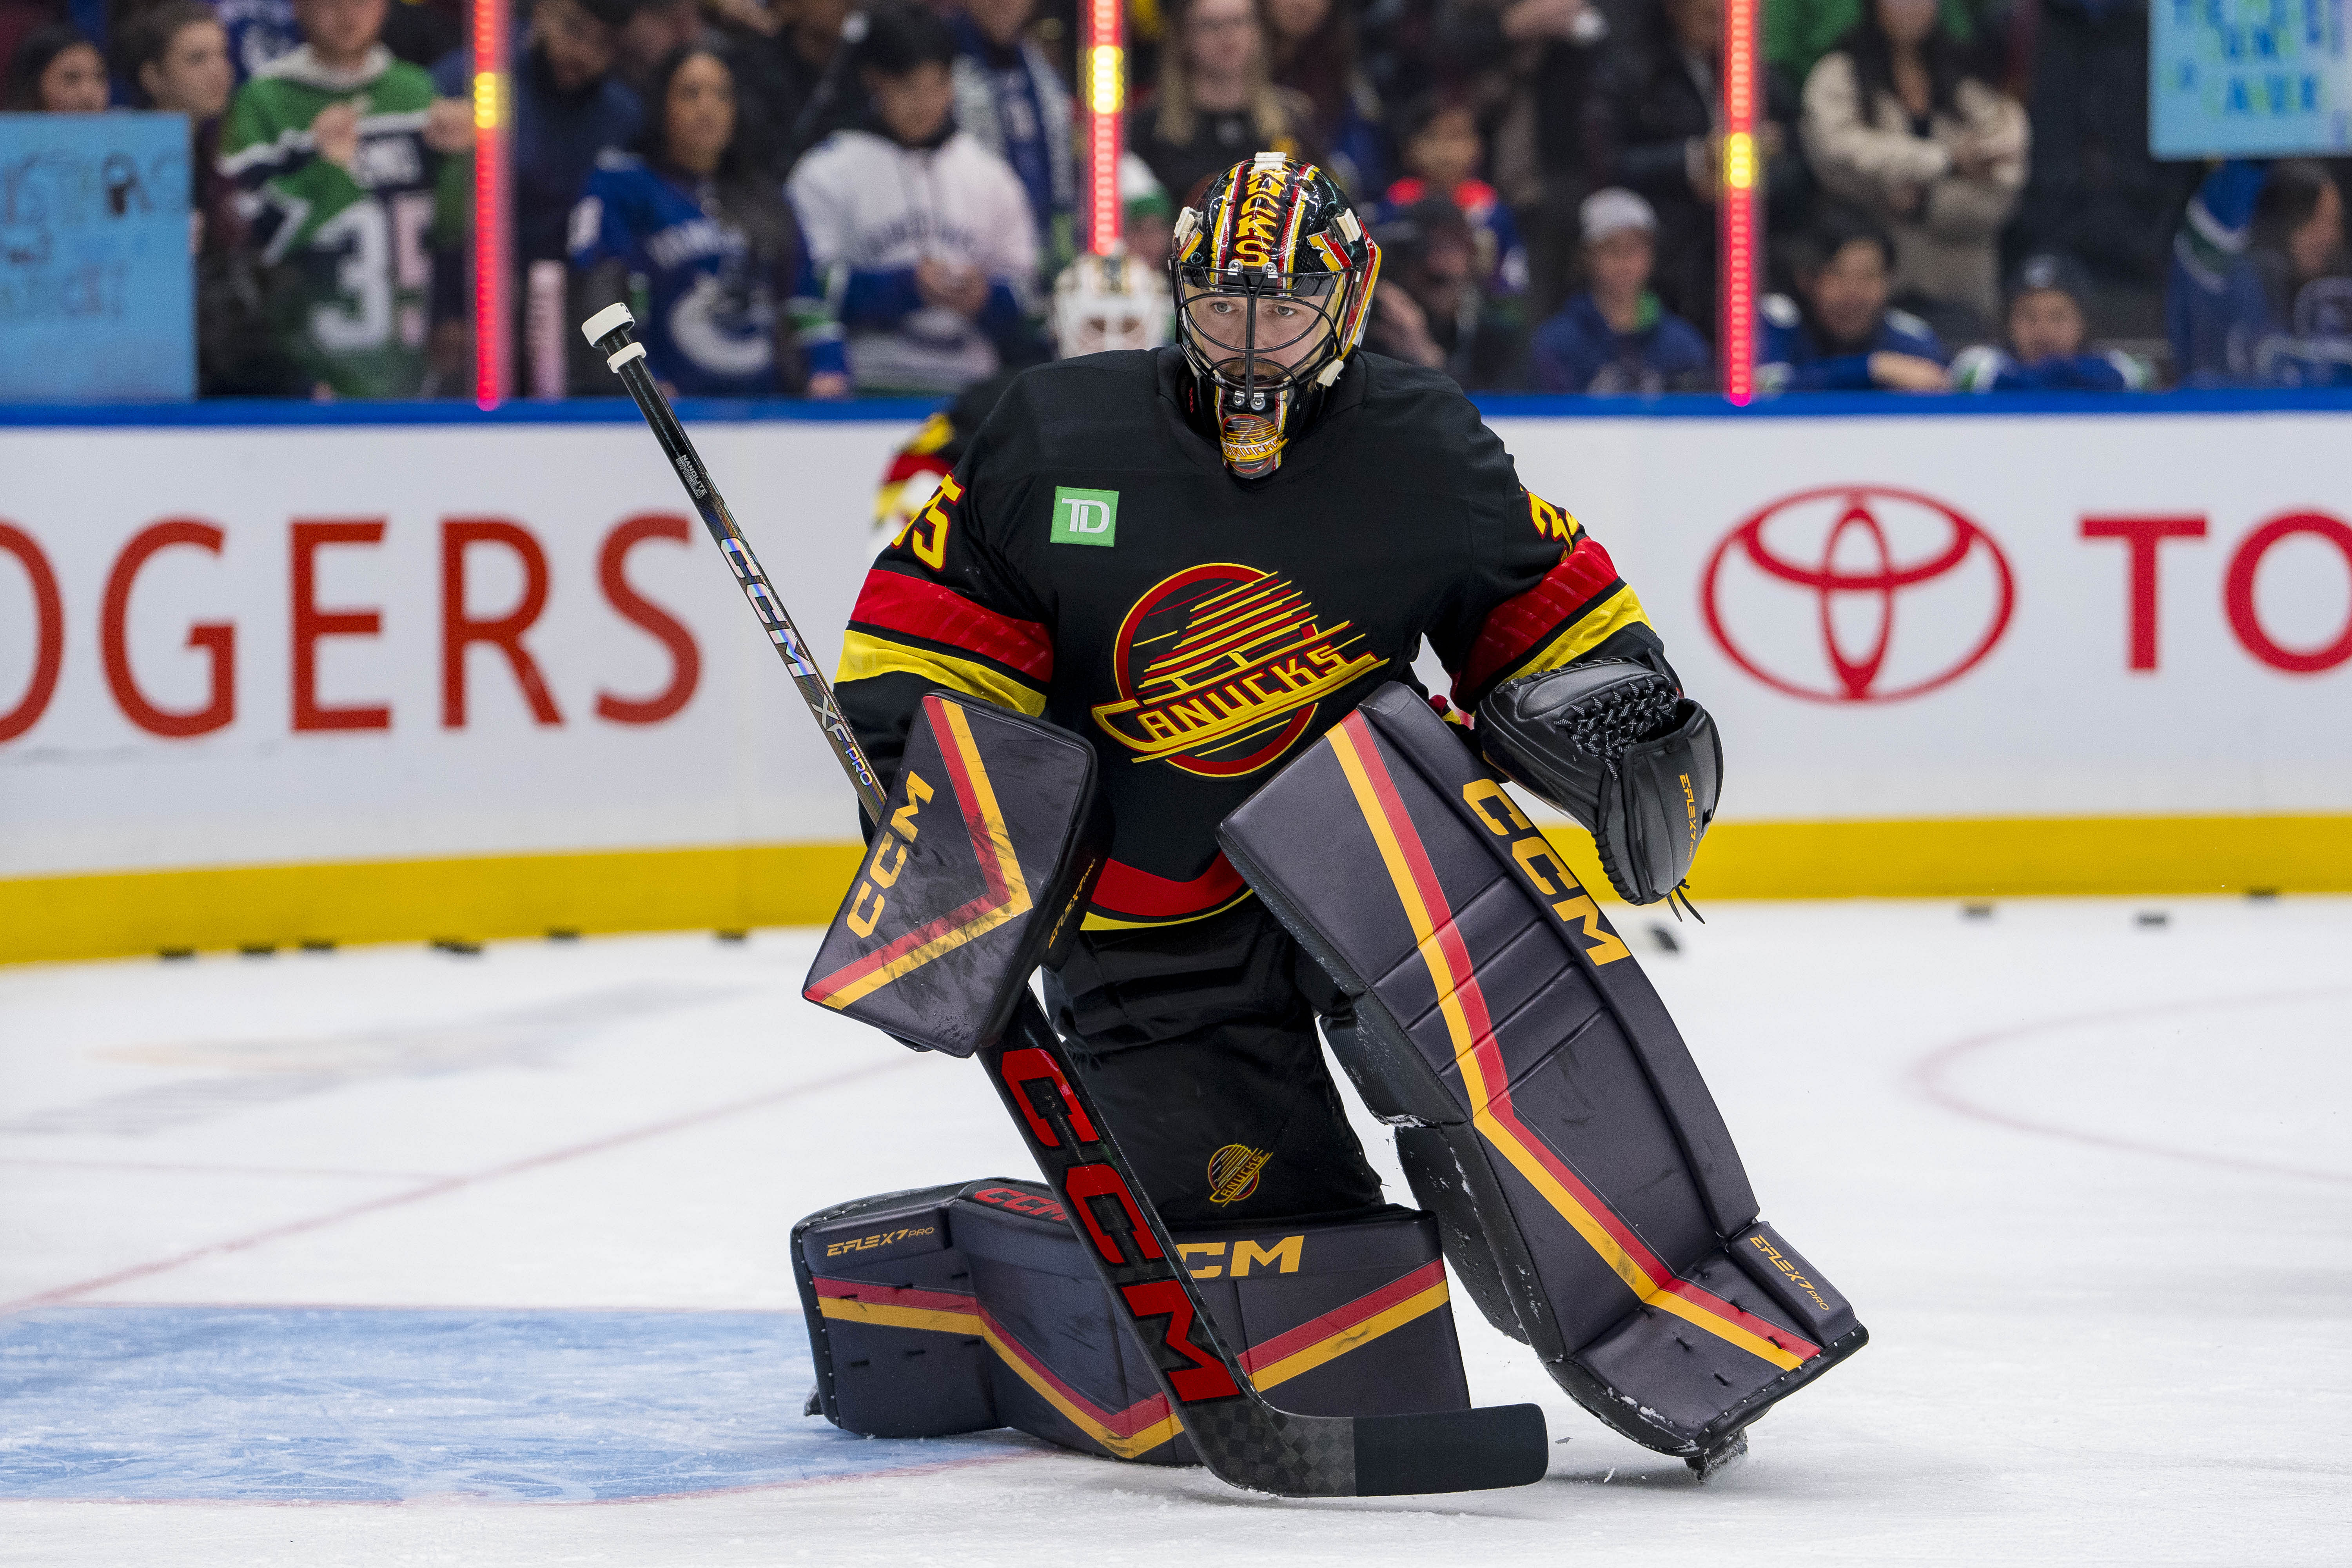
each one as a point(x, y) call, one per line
point(960, 1309)
point(1550, 1114)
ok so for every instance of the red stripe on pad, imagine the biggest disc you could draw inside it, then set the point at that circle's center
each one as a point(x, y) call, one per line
point(1489, 1050)
point(894, 602)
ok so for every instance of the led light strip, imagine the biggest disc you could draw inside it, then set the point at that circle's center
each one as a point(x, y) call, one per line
point(1736, 202)
point(493, 221)
point(1105, 85)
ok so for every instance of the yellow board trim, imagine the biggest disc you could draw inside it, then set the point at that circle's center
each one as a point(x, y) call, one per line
point(115, 914)
point(474, 898)
point(1962, 858)
point(864, 656)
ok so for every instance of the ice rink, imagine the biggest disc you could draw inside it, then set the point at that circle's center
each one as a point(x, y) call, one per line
point(395, 1256)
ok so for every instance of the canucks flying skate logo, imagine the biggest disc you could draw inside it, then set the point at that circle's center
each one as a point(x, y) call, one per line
point(1219, 669)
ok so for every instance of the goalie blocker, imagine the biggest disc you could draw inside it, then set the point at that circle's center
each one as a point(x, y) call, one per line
point(1548, 1112)
point(961, 1309)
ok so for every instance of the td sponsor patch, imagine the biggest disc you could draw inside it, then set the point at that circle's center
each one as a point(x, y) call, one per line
point(1085, 517)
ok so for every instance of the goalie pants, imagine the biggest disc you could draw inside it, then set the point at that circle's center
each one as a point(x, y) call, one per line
point(1198, 1042)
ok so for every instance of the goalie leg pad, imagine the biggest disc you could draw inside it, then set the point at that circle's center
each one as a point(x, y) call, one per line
point(967, 1308)
point(1586, 1185)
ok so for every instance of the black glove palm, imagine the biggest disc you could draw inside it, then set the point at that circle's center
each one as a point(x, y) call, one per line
point(1616, 745)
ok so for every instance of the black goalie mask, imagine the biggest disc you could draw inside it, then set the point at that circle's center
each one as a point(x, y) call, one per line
point(1273, 278)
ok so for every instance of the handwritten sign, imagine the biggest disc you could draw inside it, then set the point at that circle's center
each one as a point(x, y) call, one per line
point(97, 286)
point(2235, 78)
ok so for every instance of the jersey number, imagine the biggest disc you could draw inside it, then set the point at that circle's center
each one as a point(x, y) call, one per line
point(384, 257)
point(927, 531)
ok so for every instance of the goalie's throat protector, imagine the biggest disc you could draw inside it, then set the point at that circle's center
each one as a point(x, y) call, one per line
point(1274, 278)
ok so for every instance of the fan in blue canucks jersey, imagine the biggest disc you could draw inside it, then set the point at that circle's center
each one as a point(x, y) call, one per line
point(1839, 335)
point(2046, 329)
point(715, 246)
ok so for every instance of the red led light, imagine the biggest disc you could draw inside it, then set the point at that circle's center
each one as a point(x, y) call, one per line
point(1102, 87)
point(1737, 181)
point(493, 222)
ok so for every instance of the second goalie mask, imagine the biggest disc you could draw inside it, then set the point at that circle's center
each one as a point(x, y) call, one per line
point(1618, 747)
point(1274, 280)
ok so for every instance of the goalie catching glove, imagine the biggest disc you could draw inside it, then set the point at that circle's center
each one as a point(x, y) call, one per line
point(1617, 746)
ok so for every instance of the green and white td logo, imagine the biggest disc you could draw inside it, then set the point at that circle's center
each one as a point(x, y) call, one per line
point(1085, 517)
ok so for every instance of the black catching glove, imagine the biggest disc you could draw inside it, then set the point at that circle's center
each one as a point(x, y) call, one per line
point(1617, 746)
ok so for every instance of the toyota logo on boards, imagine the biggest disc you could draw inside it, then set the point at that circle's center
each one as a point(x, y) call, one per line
point(1857, 593)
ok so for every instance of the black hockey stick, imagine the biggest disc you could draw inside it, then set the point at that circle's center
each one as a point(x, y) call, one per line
point(1240, 1437)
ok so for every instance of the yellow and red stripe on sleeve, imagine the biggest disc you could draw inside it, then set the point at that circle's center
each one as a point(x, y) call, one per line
point(907, 626)
point(1578, 605)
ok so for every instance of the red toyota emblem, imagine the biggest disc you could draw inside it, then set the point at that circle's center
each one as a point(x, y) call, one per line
point(1814, 582)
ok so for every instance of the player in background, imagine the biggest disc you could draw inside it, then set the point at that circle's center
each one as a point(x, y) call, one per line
point(354, 180)
point(1200, 558)
point(689, 221)
point(2045, 332)
point(1100, 304)
point(922, 237)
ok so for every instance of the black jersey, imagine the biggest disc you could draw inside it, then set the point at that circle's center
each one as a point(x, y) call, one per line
point(1091, 560)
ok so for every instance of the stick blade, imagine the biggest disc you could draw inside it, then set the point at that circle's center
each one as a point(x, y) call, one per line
point(1451, 1451)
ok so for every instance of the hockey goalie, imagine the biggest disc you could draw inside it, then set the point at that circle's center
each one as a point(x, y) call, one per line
point(1173, 597)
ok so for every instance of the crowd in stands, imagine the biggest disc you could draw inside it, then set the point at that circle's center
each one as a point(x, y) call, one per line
point(812, 198)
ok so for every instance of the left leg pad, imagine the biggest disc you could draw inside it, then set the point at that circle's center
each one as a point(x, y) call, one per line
point(965, 1308)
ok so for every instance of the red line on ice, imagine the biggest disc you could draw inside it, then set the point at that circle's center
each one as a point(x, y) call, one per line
point(1927, 1076)
point(435, 1189)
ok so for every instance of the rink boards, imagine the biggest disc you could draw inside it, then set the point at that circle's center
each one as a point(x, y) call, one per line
point(289, 675)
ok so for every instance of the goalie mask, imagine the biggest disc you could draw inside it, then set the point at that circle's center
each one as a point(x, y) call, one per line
point(1273, 278)
point(1106, 302)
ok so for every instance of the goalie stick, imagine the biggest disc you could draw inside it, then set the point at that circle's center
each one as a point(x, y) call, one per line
point(1241, 1437)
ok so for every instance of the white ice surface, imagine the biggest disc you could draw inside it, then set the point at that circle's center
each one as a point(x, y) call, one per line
point(2085, 1180)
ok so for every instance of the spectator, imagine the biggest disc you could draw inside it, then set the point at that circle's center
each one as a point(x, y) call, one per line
point(651, 37)
point(711, 240)
point(1009, 98)
point(568, 108)
point(1650, 126)
point(1798, 33)
point(2094, 193)
point(1147, 219)
point(2257, 295)
point(792, 84)
point(921, 236)
point(1527, 67)
point(1216, 103)
point(1842, 337)
point(1436, 315)
point(56, 71)
point(259, 31)
point(1615, 337)
point(176, 55)
point(354, 215)
point(1894, 124)
point(1441, 152)
point(2045, 350)
point(1314, 45)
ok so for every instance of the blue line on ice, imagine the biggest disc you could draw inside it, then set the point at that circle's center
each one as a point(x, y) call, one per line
point(364, 1404)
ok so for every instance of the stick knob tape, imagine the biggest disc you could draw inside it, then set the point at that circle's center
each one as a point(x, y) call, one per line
point(608, 328)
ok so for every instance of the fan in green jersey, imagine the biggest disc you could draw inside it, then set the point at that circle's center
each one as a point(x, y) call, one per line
point(352, 176)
